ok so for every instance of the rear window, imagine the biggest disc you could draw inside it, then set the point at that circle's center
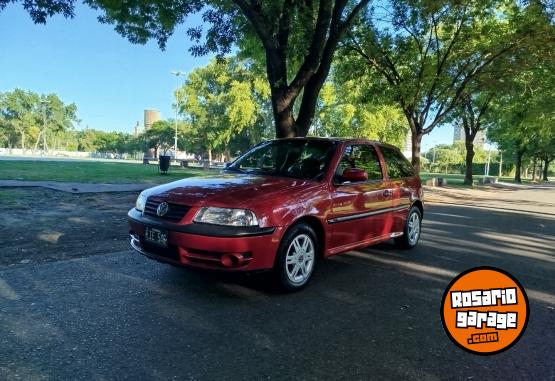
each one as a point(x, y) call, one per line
point(397, 164)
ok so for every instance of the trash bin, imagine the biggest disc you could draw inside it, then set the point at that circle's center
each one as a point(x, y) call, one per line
point(164, 163)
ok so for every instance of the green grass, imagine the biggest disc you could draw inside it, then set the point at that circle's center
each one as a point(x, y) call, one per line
point(92, 172)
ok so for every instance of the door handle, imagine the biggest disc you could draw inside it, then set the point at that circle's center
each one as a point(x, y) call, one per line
point(387, 193)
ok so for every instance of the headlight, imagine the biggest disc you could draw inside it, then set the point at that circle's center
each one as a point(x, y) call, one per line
point(141, 202)
point(225, 216)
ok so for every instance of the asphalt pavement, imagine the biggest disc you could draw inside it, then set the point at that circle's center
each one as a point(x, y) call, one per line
point(368, 314)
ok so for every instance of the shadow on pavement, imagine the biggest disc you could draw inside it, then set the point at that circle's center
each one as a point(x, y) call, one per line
point(371, 313)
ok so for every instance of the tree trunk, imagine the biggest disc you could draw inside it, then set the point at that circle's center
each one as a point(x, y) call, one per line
point(38, 140)
point(534, 169)
point(210, 155)
point(518, 164)
point(416, 139)
point(286, 127)
point(469, 135)
point(282, 99)
point(468, 179)
point(546, 170)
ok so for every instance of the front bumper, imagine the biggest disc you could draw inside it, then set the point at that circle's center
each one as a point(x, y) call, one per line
point(207, 246)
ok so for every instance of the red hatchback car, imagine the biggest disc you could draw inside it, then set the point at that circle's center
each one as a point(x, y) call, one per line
point(283, 205)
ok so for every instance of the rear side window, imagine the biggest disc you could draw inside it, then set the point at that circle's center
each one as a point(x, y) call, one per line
point(360, 156)
point(397, 165)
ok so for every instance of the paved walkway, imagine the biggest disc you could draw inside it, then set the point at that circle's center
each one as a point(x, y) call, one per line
point(77, 187)
point(530, 198)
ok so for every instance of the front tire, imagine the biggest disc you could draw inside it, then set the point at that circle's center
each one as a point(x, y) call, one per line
point(296, 257)
point(413, 228)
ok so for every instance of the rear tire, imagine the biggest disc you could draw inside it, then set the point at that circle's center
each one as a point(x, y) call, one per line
point(296, 257)
point(412, 230)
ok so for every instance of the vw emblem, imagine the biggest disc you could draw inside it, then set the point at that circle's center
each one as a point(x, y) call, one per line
point(162, 209)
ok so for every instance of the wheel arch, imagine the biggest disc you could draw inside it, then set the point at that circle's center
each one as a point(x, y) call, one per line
point(420, 206)
point(315, 223)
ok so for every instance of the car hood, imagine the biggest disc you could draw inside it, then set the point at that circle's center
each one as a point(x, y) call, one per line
point(229, 190)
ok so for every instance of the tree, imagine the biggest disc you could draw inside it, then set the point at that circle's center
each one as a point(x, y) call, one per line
point(86, 140)
point(224, 99)
point(526, 117)
point(424, 54)
point(31, 116)
point(55, 117)
point(471, 112)
point(40, 11)
point(447, 157)
point(296, 38)
point(345, 110)
point(19, 111)
point(161, 135)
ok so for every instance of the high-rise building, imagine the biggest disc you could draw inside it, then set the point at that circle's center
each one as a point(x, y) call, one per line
point(458, 136)
point(151, 117)
point(137, 129)
point(407, 150)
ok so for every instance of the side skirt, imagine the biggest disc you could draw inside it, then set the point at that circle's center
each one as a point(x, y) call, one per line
point(358, 245)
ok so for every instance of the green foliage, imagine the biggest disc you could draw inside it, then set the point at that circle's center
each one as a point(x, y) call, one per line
point(294, 40)
point(222, 100)
point(525, 115)
point(89, 140)
point(449, 156)
point(424, 54)
point(27, 116)
point(41, 10)
point(161, 135)
point(344, 111)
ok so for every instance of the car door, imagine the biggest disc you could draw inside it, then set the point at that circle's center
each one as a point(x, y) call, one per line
point(360, 211)
point(399, 173)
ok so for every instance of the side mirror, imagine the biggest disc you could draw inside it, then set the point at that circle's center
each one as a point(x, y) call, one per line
point(354, 175)
point(226, 165)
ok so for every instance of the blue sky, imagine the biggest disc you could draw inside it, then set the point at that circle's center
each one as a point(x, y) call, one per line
point(111, 80)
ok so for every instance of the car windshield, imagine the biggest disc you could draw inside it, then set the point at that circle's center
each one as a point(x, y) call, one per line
point(305, 159)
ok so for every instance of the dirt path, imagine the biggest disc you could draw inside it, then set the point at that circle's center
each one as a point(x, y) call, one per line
point(73, 187)
point(38, 224)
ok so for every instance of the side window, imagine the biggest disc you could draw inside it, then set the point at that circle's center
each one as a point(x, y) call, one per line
point(397, 165)
point(363, 157)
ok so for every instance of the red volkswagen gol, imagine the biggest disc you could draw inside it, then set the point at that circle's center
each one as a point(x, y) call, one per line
point(281, 206)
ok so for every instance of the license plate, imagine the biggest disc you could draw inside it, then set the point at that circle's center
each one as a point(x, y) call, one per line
point(156, 236)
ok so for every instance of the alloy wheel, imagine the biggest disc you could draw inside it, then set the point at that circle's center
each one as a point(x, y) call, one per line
point(299, 261)
point(414, 228)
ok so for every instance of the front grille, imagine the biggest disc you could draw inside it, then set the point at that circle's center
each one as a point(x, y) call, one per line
point(175, 211)
point(170, 252)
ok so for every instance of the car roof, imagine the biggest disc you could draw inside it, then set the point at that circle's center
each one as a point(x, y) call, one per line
point(342, 140)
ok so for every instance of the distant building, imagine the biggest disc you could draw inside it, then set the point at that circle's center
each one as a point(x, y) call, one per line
point(458, 136)
point(137, 129)
point(407, 149)
point(151, 117)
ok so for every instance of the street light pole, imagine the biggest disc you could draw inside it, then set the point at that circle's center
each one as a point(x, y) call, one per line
point(177, 75)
